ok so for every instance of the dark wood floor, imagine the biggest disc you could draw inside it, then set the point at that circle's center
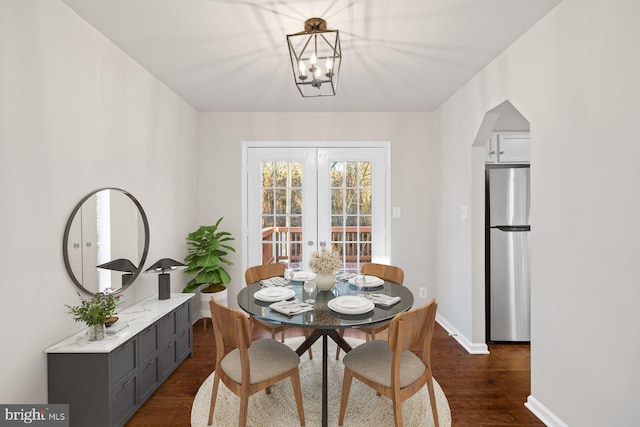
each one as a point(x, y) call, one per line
point(483, 390)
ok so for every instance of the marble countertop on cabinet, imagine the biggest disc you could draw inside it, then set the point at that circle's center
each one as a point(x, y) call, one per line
point(137, 317)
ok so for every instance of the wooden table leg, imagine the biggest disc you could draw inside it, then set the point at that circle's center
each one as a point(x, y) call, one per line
point(308, 342)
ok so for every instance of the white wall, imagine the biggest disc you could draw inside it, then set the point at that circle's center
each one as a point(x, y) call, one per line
point(574, 76)
point(412, 180)
point(76, 114)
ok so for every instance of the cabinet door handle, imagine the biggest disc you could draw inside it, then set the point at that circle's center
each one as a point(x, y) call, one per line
point(502, 152)
point(151, 362)
point(127, 383)
point(150, 327)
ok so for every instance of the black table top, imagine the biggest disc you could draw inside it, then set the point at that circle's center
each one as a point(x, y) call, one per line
point(321, 317)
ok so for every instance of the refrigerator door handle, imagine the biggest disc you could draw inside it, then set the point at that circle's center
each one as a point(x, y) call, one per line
point(512, 227)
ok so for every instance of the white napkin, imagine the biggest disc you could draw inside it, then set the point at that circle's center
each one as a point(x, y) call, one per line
point(291, 308)
point(274, 281)
point(383, 300)
point(345, 276)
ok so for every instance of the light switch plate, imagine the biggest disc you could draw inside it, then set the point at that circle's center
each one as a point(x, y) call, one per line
point(464, 212)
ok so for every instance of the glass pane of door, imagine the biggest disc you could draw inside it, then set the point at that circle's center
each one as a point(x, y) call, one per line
point(300, 199)
point(351, 212)
point(281, 205)
point(352, 193)
point(281, 202)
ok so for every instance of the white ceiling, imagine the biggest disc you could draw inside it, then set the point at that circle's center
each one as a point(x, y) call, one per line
point(231, 55)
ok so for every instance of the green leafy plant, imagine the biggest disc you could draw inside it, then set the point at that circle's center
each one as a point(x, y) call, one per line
point(206, 256)
point(95, 310)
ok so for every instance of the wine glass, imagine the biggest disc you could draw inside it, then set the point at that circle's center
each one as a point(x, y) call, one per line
point(309, 290)
point(288, 275)
point(359, 281)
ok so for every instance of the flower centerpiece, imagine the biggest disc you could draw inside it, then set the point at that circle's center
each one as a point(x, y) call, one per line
point(325, 263)
point(95, 311)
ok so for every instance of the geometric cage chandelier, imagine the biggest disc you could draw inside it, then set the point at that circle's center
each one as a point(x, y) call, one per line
point(315, 58)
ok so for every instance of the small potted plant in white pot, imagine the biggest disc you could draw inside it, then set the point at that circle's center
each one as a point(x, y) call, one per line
point(207, 250)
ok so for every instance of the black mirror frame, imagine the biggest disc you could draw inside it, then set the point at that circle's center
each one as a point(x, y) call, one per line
point(65, 240)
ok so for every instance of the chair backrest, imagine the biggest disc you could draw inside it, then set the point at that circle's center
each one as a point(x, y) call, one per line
point(388, 273)
point(260, 272)
point(231, 329)
point(413, 330)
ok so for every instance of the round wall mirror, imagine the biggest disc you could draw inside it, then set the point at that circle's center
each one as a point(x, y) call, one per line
point(106, 241)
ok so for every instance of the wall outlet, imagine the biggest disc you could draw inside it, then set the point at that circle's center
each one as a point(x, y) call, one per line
point(422, 292)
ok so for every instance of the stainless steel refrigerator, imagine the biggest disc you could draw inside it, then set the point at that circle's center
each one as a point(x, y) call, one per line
point(508, 250)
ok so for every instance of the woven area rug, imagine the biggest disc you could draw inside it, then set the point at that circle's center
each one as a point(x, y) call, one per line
point(278, 409)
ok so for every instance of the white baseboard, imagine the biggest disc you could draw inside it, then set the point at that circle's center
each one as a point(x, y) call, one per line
point(543, 413)
point(472, 348)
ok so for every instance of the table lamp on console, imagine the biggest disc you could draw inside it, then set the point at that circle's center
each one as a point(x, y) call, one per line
point(164, 281)
point(121, 264)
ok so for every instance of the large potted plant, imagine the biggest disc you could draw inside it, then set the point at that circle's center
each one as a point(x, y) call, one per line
point(207, 250)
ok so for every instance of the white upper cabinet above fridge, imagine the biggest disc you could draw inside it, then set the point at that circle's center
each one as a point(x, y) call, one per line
point(508, 148)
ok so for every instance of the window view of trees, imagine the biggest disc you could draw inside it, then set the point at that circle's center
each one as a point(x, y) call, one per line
point(351, 202)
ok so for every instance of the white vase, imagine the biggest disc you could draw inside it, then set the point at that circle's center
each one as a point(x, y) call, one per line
point(325, 281)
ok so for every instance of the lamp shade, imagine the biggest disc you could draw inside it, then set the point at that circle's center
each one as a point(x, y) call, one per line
point(164, 264)
point(315, 58)
point(164, 280)
point(120, 264)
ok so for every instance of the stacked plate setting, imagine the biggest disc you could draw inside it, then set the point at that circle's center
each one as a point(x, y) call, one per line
point(369, 282)
point(350, 304)
point(301, 276)
point(273, 294)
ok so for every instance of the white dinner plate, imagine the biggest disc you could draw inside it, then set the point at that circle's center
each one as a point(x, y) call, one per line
point(369, 282)
point(274, 294)
point(350, 304)
point(301, 276)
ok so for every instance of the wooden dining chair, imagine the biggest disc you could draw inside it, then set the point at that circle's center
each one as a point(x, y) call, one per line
point(261, 272)
point(247, 367)
point(397, 368)
point(388, 273)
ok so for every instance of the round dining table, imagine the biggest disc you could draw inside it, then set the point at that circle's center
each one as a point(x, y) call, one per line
point(324, 321)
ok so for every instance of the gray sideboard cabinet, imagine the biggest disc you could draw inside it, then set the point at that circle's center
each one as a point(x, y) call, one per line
point(105, 382)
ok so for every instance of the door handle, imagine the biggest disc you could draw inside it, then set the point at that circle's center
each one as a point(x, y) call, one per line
point(323, 244)
point(310, 243)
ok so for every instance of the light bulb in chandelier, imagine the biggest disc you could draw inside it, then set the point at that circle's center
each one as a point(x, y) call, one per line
point(301, 67)
point(328, 73)
point(317, 73)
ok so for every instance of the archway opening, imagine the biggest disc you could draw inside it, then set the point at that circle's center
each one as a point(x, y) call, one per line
point(501, 125)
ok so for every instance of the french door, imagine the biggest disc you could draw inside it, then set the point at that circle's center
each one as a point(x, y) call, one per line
point(302, 198)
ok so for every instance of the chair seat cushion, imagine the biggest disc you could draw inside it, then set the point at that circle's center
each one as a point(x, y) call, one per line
point(372, 360)
point(267, 358)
